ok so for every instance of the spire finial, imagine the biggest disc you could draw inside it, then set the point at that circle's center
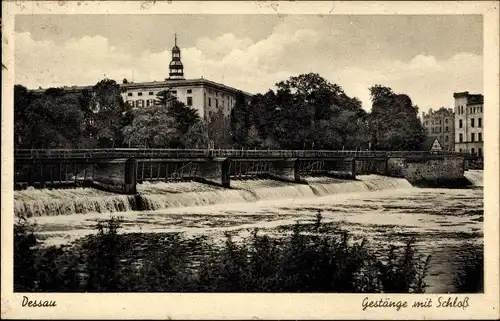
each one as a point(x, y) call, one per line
point(175, 35)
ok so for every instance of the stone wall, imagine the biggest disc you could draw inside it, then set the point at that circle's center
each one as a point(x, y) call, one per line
point(429, 171)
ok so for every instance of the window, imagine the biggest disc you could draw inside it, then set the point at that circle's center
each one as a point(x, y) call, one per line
point(190, 101)
point(174, 92)
point(460, 138)
point(130, 94)
point(480, 151)
point(446, 121)
point(139, 94)
point(459, 123)
point(472, 151)
point(189, 91)
point(209, 101)
point(440, 122)
point(447, 128)
point(445, 138)
point(426, 122)
point(472, 122)
point(479, 122)
point(472, 137)
point(147, 102)
point(460, 150)
point(216, 103)
point(479, 137)
point(151, 93)
point(130, 103)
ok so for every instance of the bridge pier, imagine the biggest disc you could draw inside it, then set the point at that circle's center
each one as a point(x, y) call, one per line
point(216, 171)
point(344, 168)
point(117, 176)
point(286, 169)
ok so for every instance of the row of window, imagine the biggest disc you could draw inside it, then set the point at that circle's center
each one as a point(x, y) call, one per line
point(438, 129)
point(152, 93)
point(472, 110)
point(472, 123)
point(473, 151)
point(141, 103)
point(472, 137)
point(151, 102)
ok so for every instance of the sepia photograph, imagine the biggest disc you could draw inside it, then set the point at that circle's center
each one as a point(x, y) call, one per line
point(243, 152)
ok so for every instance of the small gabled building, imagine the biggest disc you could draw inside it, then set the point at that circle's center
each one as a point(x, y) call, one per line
point(432, 144)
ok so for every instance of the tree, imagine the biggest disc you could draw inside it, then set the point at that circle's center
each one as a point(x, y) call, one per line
point(196, 137)
point(151, 127)
point(240, 120)
point(305, 112)
point(49, 121)
point(393, 121)
point(111, 114)
point(253, 139)
point(184, 116)
point(164, 98)
point(22, 100)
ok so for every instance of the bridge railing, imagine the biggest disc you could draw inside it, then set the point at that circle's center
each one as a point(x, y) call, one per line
point(200, 153)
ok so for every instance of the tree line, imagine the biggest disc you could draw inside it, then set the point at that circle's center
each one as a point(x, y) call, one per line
point(303, 112)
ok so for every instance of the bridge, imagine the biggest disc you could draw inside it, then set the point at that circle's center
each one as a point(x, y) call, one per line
point(119, 170)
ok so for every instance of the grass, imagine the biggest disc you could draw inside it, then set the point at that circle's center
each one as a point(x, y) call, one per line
point(311, 258)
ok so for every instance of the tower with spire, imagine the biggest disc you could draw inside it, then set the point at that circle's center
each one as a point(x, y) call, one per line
point(176, 68)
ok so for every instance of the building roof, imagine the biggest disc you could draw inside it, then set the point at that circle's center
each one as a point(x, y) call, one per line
point(429, 141)
point(475, 99)
point(72, 89)
point(472, 99)
point(155, 84)
point(183, 82)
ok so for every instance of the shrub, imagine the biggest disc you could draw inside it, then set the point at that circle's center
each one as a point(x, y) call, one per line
point(318, 260)
point(404, 273)
point(469, 276)
point(24, 256)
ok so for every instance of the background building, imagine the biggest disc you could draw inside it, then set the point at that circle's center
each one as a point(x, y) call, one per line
point(469, 123)
point(439, 124)
point(206, 96)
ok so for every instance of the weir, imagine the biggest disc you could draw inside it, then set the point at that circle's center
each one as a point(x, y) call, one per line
point(121, 174)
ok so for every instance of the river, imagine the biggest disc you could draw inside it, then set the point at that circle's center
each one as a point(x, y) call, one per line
point(382, 209)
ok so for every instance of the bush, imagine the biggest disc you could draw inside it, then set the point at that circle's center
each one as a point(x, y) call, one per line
point(469, 277)
point(24, 256)
point(319, 260)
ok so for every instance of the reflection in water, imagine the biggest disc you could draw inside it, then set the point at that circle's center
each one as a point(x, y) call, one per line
point(384, 210)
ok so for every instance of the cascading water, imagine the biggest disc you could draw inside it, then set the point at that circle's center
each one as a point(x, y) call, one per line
point(475, 177)
point(155, 196)
point(47, 202)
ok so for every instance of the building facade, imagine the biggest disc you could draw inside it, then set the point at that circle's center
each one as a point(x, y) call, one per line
point(208, 97)
point(469, 123)
point(439, 124)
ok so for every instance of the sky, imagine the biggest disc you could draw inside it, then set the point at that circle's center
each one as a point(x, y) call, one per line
point(428, 57)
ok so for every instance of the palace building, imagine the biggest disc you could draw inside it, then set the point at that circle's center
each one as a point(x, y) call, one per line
point(207, 96)
point(469, 123)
